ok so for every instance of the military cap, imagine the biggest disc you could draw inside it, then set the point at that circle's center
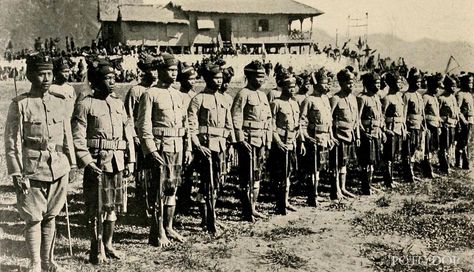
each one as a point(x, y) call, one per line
point(279, 75)
point(464, 78)
point(186, 71)
point(210, 70)
point(38, 61)
point(345, 75)
point(227, 74)
point(392, 77)
point(319, 76)
point(146, 62)
point(413, 75)
point(303, 78)
point(167, 60)
point(449, 82)
point(369, 78)
point(434, 81)
point(254, 67)
point(98, 69)
point(61, 63)
point(288, 80)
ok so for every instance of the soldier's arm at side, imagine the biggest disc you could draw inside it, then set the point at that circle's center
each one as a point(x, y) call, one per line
point(193, 119)
point(460, 100)
point(145, 126)
point(269, 121)
point(230, 126)
point(274, 110)
point(129, 104)
point(238, 115)
point(129, 133)
point(79, 133)
point(68, 143)
point(13, 141)
point(304, 119)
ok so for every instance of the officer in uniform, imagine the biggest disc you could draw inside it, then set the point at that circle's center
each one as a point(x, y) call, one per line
point(103, 138)
point(432, 119)
point(61, 73)
point(162, 124)
point(146, 64)
point(395, 128)
point(210, 126)
point(449, 113)
point(345, 116)
point(304, 87)
point(316, 123)
point(371, 126)
point(415, 116)
point(39, 154)
point(466, 120)
point(286, 130)
point(187, 78)
point(251, 116)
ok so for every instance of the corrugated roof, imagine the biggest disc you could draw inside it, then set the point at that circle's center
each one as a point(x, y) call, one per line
point(151, 13)
point(108, 9)
point(289, 7)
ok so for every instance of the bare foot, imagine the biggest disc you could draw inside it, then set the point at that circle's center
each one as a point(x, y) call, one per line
point(221, 225)
point(171, 233)
point(291, 207)
point(340, 196)
point(163, 241)
point(347, 193)
point(259, 215)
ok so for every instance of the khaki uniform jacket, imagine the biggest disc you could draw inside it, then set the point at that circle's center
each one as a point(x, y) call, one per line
point(210, 120)
point(251, 115)
point(345, 116)
point(414, 109)
point(466, 106)
point(394, 110)
point(132, 100)
point(68, 92)
point(431, 110)
point(371, 115)
point(97, 119)
point(187, 97)
point(38, 139)
point(448, 110)
point(316, 118)
point(285, 122)
point(162, 110)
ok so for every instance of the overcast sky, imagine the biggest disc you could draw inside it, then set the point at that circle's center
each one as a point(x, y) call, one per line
point(445, 20)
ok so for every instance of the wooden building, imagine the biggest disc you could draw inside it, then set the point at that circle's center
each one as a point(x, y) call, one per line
point(195, 25)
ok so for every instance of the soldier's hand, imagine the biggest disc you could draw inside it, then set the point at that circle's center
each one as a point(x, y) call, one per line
point(302, 149)
point(157, 157)
point(389, 132)
point(384, 137)
point(22, 184)
point(205, 151)
point(281, 146)
point(188, 157)
point(358, 142)
point(312, 140)
point(136, 140)
point(94, 168)
point(129, 168)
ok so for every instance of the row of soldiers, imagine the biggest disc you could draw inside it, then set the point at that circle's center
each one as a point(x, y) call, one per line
point(163, 135)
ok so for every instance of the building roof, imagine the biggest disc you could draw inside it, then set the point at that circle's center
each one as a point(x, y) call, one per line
point(151, 13)
point(108, 9)
point(289, 7)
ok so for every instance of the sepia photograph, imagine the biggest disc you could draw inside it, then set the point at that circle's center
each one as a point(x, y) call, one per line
point(236, 135)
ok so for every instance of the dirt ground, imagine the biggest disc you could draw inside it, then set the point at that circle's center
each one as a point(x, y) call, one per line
point(426, 226)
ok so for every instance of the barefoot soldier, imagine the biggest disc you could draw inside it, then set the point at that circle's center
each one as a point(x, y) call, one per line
point(316, 123)
point(210, 126)
point(146, 63)
point(162, 126)
point(104, 146)
point(466, 120)
point(39, 154)
point(395, 128)
point(371, 126)
point(449, 113)
point(432, 118)
point(286, 130)
point(251, 116)
point(345, 117)
point(415, 116)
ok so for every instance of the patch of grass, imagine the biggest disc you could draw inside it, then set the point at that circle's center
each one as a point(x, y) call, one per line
point(286, 232)
point(451, 189)
point(282, 258)
point(396, 258)
point(382, 202)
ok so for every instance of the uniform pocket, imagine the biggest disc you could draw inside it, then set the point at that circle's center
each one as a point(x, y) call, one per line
point(31, 161)
point(33, 128)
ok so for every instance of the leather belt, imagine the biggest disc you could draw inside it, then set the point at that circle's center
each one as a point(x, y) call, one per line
point(214, 131)
point(105, 144)
point(168, 132)
point(42, 146)
point(394, 120)
point(255, 125)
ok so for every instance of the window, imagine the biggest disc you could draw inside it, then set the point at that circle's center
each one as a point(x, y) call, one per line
point(263, 25)
point(205, 23)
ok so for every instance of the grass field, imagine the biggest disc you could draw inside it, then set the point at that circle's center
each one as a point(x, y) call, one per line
point(426, 226)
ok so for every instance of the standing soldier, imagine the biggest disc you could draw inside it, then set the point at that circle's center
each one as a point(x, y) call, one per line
point(395, 128)
point(466, 120)
point(345, 117)
point(372, 123)
point(432, 118)
point(104, 146)
point(415, 116)
point(449, 113)
point(146, 64)
point(187, 78)
point(304, 87)
point(285, 124)
point(227, 74)
point(39, 154)
point(251, 116)
point(62, 72)
point(231, 159)
point(275, 93)
point(162, 126)
point(210, 125)
point(316, 122)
